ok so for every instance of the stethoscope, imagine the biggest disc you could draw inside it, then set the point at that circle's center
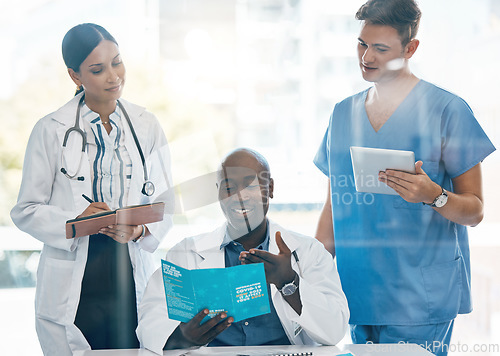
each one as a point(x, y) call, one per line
point(148, 187)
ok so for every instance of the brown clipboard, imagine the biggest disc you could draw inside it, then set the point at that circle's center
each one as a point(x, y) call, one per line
point(129, 215)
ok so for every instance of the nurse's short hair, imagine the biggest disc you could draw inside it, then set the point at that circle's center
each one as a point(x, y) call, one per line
point(402, 15)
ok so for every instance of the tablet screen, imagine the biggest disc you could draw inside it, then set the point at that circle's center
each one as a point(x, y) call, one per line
point(368, 162)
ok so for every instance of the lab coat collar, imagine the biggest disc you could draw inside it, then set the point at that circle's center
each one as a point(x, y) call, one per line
point(208, 245)
point(134, 111)
point(208, 248)
point(290, 240)
point(66, 115)
point(227, 238)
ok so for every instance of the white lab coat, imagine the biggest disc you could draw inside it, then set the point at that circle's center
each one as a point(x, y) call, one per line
point(324, 316)
point(47, 199)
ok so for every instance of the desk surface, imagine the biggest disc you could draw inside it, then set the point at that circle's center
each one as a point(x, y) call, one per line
point(356, 350)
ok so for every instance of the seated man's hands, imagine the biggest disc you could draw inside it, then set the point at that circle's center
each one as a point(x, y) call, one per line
point(278, 267)
point(193, 334)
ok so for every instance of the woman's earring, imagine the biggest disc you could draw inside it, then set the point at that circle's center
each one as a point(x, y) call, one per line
point(79, 89)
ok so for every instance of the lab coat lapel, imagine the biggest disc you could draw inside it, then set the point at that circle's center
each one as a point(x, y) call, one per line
point(292, 329)
point(208, 249)
point(137, 179)
point(66, 116)
point(289, 240)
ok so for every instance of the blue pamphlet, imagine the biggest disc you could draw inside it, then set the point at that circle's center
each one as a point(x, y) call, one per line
point(241, 291)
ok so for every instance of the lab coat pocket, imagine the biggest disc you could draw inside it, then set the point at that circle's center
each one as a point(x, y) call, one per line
point(431, 168)
point(53, 290)
point(442, 283)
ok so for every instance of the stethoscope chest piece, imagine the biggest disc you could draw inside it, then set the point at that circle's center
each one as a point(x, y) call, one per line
point(148, 188)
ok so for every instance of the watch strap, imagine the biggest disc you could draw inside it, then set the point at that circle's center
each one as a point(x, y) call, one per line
point(139, 238)
point(293, 283)
point(433, 204)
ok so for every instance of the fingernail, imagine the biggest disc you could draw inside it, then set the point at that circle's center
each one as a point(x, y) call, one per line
point(223, 315)
point(252, 252)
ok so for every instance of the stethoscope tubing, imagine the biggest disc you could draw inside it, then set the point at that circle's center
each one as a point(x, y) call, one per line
point(148, 186)
point(75, 128)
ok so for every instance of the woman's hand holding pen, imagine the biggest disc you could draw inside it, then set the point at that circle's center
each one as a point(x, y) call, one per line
point(94, 208)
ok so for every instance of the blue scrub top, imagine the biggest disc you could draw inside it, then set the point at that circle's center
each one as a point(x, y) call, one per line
point(402, 263)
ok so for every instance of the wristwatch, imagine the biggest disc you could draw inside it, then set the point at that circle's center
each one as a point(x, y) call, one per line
point(289, 288)
point(440, 200)
point(139, 238)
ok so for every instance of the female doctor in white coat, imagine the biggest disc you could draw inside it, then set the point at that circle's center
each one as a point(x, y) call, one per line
point(116, 153)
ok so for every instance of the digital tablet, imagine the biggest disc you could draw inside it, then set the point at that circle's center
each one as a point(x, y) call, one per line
point(368, 162)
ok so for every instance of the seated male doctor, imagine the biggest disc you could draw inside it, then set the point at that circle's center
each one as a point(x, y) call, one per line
point(307, 303)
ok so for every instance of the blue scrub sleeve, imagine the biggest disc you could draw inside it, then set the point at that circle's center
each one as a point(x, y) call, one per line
point(465, 144)
point(321, 160)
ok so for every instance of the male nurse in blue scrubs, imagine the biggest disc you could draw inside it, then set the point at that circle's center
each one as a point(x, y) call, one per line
point(403, 259)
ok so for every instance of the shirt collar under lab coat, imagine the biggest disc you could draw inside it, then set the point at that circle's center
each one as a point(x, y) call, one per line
point(66, 115)
point(208, 245)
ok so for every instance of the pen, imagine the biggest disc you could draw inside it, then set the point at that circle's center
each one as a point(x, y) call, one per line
point(294, 253)
point(87, 198)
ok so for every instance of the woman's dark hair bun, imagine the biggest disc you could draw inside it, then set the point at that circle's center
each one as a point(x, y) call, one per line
point(80, 41)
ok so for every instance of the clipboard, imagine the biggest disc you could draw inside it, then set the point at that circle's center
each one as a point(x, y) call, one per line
point(129, 215)
point(368, 162)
